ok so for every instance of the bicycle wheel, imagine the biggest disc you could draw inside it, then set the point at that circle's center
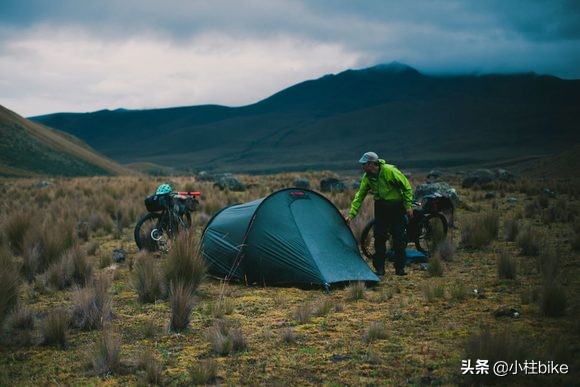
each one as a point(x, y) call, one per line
point(430, 232)
point(149, 233)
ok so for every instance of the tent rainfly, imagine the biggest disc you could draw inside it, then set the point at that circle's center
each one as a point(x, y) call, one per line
point(291, 237)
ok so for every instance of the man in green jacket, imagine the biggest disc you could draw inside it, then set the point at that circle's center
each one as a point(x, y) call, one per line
point(393, 196)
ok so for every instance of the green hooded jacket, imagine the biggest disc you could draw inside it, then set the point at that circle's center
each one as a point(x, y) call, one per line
point(390, 185)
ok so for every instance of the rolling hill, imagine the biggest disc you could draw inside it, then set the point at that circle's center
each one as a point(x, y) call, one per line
point(413, 120)
point(30, 149)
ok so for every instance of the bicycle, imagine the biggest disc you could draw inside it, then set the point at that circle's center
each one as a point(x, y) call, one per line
point(169, 213)
point(425, 229)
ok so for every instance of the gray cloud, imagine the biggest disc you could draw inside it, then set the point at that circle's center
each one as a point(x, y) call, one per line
point(97, 54)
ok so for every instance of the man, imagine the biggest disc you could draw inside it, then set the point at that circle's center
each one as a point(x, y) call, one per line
point(393, 196)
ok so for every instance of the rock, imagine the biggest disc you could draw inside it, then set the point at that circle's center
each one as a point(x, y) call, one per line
point(512, 200)
point(507, 312)
point(440, 187)
point(119, 255)
point(331, 184)
point(228, 181)
point(479, 176)
point(204, 176)
point(548, 193)
point(301, 182)
point(490, 195)
point(43, 184)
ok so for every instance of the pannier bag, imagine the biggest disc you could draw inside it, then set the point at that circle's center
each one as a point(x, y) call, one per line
point(156, 203)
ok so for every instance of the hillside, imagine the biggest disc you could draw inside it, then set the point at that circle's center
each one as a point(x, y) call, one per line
point(414, 120)
point(28, 149)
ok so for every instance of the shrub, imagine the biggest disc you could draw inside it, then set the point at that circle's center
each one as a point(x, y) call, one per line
point(548, 262)
point(106, 353)
point(185, 263)
point(204, 372)
point(22, 318)
point(181, 302)
point(55, 328)
point(147, 280)
point(506, 266)
point(376, 331)
point(9, 284)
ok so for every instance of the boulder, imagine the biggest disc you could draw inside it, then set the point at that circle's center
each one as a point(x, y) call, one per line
point(228, 181)
point(440, 187)
point(301, 182)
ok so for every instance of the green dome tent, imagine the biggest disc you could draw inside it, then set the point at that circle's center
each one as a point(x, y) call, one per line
point(293, 236)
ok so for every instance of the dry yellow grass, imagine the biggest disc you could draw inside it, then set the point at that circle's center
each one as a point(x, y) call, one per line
point(422, 340)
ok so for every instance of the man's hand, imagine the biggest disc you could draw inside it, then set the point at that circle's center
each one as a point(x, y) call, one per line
point(410, 212)
point(347, 220)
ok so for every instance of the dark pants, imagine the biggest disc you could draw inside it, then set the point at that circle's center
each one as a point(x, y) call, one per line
point(389, 219)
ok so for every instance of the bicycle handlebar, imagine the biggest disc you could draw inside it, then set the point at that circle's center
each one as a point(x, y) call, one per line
point(193, 193)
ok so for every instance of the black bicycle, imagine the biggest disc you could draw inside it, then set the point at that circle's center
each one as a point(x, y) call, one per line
point(426, 229)
point(168, 214)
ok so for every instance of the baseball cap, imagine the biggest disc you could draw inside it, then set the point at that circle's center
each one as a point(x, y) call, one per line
point(369, 156)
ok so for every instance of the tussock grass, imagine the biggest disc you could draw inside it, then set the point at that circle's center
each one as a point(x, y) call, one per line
point(504, 345)
point(55, 328)
point(511, 229)
point(356, 291)
point(151, 367)
point(147, 278)
point(21, 318)
point(529, 241)
point(376, 331)
point(446, 250)
point(432, 291)
point(553, 300)
point(220, 308)
point(226, 338)
point(92, 305)
point(181, 303)
point(506, 266)
point(203, 372)
point(105, 356)
point(480, 230)
point(9, 284)
point(289, 335)
point(185, 263)
point(549, 262)
point(435, 267)
point(15, 228)
point(303, 313)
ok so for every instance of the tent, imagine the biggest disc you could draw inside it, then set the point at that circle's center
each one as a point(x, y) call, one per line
point(293, 236)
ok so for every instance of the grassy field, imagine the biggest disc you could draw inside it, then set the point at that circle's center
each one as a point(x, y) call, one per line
point(504, 286)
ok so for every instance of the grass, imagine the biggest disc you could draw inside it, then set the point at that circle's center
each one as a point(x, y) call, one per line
point(427, 320)
point(506, 266)
point(55, 328)
point(148, 280)
point(105, 355)
point(181, 303)
point(184, 262)
point(480, 230)
point(9, 284)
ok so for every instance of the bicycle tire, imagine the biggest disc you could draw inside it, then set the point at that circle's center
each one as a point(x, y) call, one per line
point(143, 229)
point(430, 232)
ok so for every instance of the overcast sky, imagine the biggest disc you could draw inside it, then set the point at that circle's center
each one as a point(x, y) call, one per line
point(78, 56)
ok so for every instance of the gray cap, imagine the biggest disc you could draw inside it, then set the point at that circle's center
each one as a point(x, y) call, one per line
point(369, 156)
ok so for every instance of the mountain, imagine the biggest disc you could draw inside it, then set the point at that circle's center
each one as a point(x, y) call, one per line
point(411, 119)
point(30, 149)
